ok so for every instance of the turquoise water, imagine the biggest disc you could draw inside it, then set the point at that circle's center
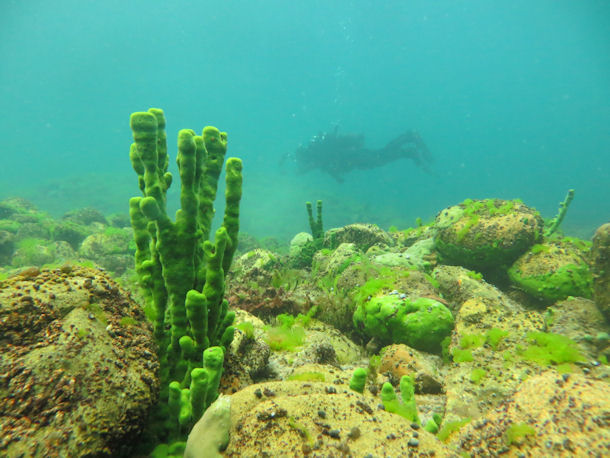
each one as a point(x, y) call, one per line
point(512, 98)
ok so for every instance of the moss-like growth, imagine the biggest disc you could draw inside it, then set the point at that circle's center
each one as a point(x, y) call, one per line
point(494, 336)
point(449, 427)
point(462, 356)
point(127, 321)
point(289, 334)
point(517, 433)
point(477, 375)
point(308, 377)
point(549, 349)
point(247, 328)
point(468, 341)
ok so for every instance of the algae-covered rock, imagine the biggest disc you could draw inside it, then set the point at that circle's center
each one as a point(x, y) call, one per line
point(298, 242)
point(363, 236)
point(111, 249)
point(419, 323)
point(486, 234)
point(580, 320)
point(33, 252)
point(331, 264)
point(418, 256)
point(255, 266)
point(85, 216)
point(600, 267)
point(7, 247)
point(71, 232)
point(552, 271)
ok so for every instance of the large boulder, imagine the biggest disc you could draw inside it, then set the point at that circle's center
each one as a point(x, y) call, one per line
point(486, 234)
point(78, 365)
point(552, 271)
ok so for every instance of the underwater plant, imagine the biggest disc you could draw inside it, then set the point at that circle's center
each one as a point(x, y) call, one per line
point(306, 253)
point(180, 271)
point(563, 209)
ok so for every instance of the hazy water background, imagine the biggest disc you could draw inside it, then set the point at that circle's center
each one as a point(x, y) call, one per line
point(512, 97)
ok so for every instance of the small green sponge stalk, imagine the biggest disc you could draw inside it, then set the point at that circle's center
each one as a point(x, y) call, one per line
point(406, 409)
point(358, 380)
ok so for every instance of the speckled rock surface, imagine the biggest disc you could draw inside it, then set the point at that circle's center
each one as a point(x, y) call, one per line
point(77, 362)
point(362, 235)
point(486, 234)
point(109, 249)
point(568, 416)
point(492, 374)
point(254, 266)
point(288, 419)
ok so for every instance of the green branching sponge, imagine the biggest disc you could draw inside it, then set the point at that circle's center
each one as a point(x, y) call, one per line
point(181, 271)
point(563, 209)
point(316, 226)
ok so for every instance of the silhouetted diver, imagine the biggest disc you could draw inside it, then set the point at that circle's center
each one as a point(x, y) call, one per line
point(339, 154)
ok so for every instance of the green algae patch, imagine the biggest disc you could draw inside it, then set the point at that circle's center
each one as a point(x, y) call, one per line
point(247, 328)
point(289, 334)
point(449, 427)
point(517, 433)
point(308, 377)
point(462, 356)
point(547, 349)
point(477, 375)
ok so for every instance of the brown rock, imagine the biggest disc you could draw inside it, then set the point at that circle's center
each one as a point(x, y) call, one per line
point(401, 360)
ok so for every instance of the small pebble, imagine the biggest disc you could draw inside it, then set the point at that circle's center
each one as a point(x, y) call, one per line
point(267, 392)
point(413, 443)
point(321, 414)
point(334, 433)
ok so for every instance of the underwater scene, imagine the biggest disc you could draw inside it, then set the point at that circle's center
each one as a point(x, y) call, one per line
point(305, 229)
